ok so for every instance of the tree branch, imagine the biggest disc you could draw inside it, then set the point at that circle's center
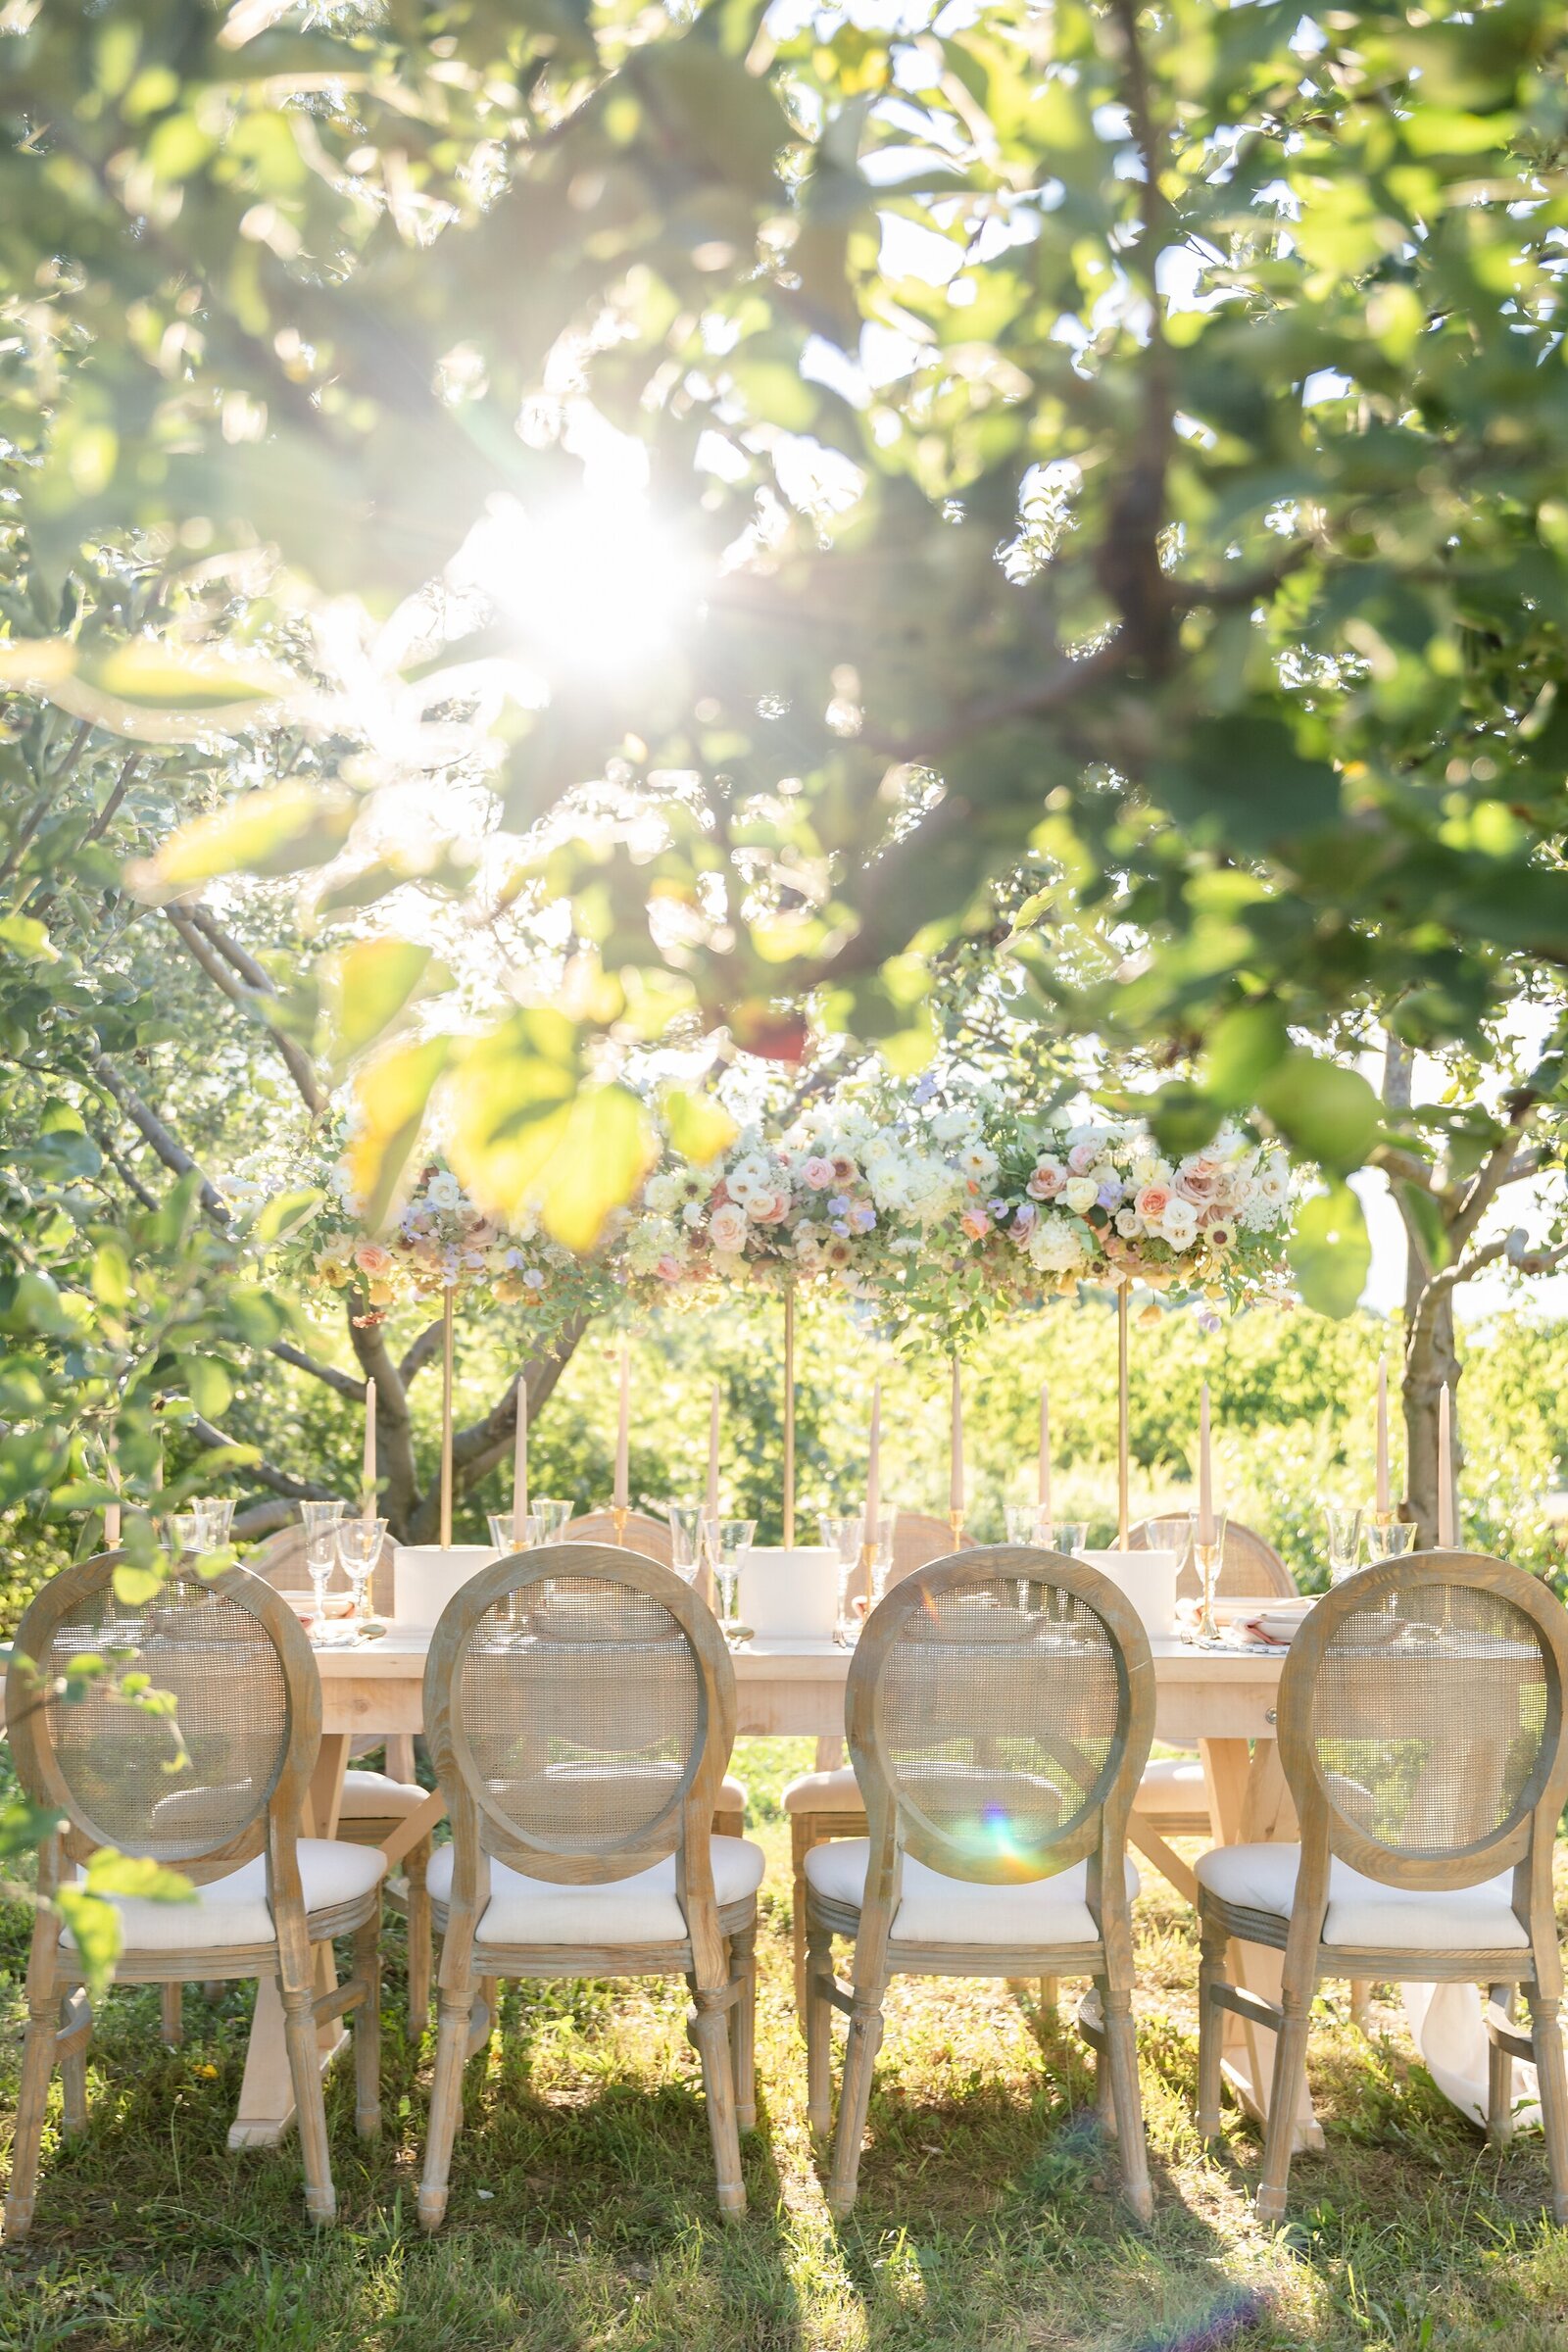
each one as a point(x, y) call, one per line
point(343, 1382)
point(394, 1434)
point(172, 1152)
point(126, 1173)
point(228, 968)
point(421, 1353)
point(298, 1489)
point(1492, 1173)
point(477, 1450)
point(111, 807)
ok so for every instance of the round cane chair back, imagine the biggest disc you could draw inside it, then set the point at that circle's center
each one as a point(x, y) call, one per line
point(918, 1539)
point(1248, 1563)
point(581, 1698)
point(644, 1534)
point(280, 1562)
point(1004, 1701)
point(1421, 1716)
point(209, 1708)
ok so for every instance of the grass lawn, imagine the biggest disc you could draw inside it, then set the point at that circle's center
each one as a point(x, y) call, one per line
point(582, 2210)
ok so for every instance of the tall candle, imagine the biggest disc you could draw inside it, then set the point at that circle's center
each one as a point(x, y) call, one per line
point(622, 1496)
point(368, 1481)
point(712, 1454)
point(1205, 1475)
point(873, 1497)
point(1044, 1495)
point(1445, 1470)
point(956, 1454)
point(1384, 1505)
point(520, 1466)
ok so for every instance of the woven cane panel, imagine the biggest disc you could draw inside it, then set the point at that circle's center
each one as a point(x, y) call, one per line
point(1428, 1717)
point(997, 1715)
point(582, 1706)
point(185, 1766)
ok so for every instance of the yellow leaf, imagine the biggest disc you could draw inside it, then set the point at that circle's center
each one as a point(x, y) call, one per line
point(391, 1095)
point(275, 832)
point(368, 985)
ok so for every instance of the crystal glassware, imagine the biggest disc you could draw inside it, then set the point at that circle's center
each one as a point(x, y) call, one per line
point(321, 1521)
point(690, 1527)
point(508, 1533)
point(1344, 1522)
point(734, 1541)
point(218, 1510)
point(1028, 1524)
point(359, 1547)
point(554, 1518)
point(1207, 1556)
point(843, 1535)
point(876, 1553)
point(1388, 1538)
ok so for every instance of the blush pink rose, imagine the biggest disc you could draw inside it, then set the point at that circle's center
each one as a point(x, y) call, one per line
point(373, 1259)
point(771, 1208)
point(818, 1174)
point(1152, 1202)
point(726, 1227)
point(669, 1269)
point(1194, 1184)
point(1047, 1181)
point(1082, 1158)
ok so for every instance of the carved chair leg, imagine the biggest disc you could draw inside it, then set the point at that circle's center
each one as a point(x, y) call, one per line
point(400, 1757)
point(1105, 2093)
point(1546, 2029)
point(855, 2097)
point(171, 2015)
point(1050, 1998)
point(1121, 2058)
point(1500, 2076)
point(708, 2029)
point(367, 2029)
point(1212, 1945)
point(305, 2070)
point(801, 1843)
point(420, 1938)
point(32, 2099)
point(446, 2102)
point(1361, 2003)
point(742, 2025)
point(73, 2083)
point(1284, 2100)
point(818, 2028)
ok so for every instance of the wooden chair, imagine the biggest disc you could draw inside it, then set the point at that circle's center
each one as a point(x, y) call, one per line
point(1421, 1734)
point(651, 1537)
point(247, 1704)
point(1172, 1799)
point(999, 1709)
point(826, 1801)
point(374, 1803)
point(580, 1760)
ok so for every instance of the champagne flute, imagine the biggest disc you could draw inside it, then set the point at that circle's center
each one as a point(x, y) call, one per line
point(358, 1546)
point(734, 1541)
point(843, 1533)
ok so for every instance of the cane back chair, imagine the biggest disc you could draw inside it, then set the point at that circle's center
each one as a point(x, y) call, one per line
point(1421, 1735)
point(826, 1801)
point(1172, 1799)
point(373, 1804)
point(579, 1705)
point(999, 1709)
point(204, 1772)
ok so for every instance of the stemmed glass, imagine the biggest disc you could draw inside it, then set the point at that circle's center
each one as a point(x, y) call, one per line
point(1388, 1538)
point(843, 1536)
point(553, 1517)
point(321, 1521)
point(1028, 1524)
point(359, 1547)
point(734, 1541)
point(1344, 1522)
point(512, 1532)
point(689, 1528)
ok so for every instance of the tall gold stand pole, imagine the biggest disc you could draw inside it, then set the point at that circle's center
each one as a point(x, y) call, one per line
point(1123, 1302)
point(447, 1312)
point(789, 1418)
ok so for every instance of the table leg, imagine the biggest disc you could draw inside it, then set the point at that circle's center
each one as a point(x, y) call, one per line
point(1250, 1804)
point(266, 2107)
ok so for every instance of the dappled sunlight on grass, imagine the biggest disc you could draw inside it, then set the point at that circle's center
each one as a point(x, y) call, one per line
point(582, 2215)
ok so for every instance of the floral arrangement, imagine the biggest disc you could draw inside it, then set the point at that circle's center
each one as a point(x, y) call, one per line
point(936, 1209)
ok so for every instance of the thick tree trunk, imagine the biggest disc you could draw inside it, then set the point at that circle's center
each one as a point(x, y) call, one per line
point(477, 1450)
point(1431, 1361)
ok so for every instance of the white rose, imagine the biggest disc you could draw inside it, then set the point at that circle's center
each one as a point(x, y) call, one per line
point(1129, 1224)
point(1081, 1194)
point(1179, 1224)
point(1056, 1246)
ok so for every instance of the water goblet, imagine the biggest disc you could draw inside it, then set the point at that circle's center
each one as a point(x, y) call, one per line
point(734, 1541)
point(1207, 1555)
point(689, 1524)
point(218, 1510)
point(513, 1531)
point(876, 1553)
point(1029, 1524)
point(321, 1558)
point(1388, 1538)
point(359, 1547)
point(1344, 1521)
point(842, 1535)
point(554, 1518)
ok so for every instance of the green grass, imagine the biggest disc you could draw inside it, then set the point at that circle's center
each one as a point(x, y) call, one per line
point(582, 2212)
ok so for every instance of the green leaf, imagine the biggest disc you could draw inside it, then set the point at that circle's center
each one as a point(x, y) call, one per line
point(528, 1132)
point(94, 1926)
point(29, 939)
point(1325, 1111)
point(210, 1387)
point(1183, 1119)
point(1331, 1252)
point(391, 1095)
point(111, 1275)
point(698, 1127)
point(1425, 1216)
point(1244, 1047)
point(368, 985)
point(286, 1215)
point(280, 831)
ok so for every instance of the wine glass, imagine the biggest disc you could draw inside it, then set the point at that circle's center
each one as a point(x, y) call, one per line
point(842, 1534)
point(513, 1531)
point(553, 1516)
point(734, 1543)
point(217, 1511)
point(321, 1521)
point(688, 1524)
point(359, 1547)
point(1387, 1538)
point(1344, 1521)
point(1208, 1555)
point(876, 1551)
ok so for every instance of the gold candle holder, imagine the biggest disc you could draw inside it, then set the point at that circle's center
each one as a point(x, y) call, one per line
point(618, 1515)
point(1208, 1557)
point(955, 1525)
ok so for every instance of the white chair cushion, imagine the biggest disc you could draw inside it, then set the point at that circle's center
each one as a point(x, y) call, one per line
point(231, 1911)
point(641, 1909)
point(377, 1796)
point(1172, 1785)
point(935, 1909)
point(1364, 1914)
point(825, 1792)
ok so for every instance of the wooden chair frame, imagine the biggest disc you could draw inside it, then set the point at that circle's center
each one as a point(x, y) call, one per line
point(717, 1954)
point(55, 1984)
point(1151, 1840)
point(1099, 1838)
point(1525, 1841)
point(816, 1827)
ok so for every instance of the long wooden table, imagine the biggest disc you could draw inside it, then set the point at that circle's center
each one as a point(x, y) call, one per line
point(1220, 1701)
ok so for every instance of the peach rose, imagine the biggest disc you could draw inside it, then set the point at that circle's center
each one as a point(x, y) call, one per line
point(726, 1227)
point(1152, 1202)
point(818, 1174)
point(770, 1208)
point(976, 1224)
point(373, 1259)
